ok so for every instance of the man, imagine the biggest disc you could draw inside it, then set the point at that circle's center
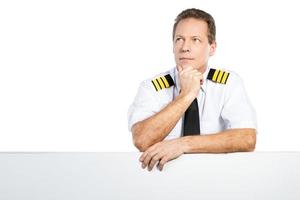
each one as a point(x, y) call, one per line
point(192, 108)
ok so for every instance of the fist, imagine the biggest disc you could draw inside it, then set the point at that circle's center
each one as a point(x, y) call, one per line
point(190, 81)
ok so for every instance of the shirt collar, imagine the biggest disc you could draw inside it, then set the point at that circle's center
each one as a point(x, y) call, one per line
point(203, 86)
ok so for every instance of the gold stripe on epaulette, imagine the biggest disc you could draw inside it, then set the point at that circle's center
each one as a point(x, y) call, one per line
point(162, 82)
point(215, 75)
point(218, 76)
point(165, 81)
point(224, 79)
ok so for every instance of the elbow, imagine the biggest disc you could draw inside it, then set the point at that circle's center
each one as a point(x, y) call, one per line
point(251, 140)
point(139, 140)
point(140, 145)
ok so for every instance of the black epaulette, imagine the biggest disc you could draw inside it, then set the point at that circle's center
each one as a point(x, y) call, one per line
point(162, 82)
point(218, 76)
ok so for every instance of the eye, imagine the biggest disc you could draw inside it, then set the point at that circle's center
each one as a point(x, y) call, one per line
point(197, 40)
point(178, 39)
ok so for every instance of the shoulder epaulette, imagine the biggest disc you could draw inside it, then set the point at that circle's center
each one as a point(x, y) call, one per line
point(162, 82)
point(218, 76)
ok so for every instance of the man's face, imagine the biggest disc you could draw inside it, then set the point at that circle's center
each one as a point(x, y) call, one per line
point(190, 44)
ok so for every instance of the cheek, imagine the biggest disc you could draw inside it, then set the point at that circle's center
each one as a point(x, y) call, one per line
point(176, 51)
point(201, 52)
point(203, 55)
point(176, 47)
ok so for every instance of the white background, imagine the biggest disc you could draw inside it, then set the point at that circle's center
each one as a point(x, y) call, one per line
point(70, 69)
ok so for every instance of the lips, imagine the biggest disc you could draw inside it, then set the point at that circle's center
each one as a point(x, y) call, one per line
point(186, 58)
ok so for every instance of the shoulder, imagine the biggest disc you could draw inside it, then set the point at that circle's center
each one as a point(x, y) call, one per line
point(160, 82)
point(223, 76)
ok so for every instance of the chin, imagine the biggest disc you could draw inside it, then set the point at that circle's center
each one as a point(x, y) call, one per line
point(186, 63)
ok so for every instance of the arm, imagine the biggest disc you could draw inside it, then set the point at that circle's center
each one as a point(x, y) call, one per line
point(154, 129)
point(232, 140)
point(237, 113)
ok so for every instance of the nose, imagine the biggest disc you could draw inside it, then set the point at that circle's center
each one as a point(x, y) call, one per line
point(185, 47)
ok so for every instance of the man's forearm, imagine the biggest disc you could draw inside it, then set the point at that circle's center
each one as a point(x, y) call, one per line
point(157, 127)
point(232, 140)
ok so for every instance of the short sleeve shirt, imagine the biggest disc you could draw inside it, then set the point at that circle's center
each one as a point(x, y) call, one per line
point(221, 106)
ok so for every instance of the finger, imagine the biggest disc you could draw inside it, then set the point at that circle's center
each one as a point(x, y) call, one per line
point(153, 161)
point(144, 155)
point(192, 74)
point(187, 71)
point(162, 162)
point(148, 159)
point(188, 68)
point(198, 73)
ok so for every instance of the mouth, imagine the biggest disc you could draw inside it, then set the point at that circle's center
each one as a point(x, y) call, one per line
point(184, 58)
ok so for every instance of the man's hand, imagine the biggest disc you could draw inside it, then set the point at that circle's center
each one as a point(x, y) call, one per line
point(161, 153)
point(190, 81)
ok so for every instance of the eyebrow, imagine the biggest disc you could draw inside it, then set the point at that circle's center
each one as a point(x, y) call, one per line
point(194, 36)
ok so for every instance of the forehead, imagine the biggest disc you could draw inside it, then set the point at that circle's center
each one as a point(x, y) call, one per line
point(191, 27)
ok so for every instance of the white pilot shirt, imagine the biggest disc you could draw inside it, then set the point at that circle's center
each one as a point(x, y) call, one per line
point(221, 106)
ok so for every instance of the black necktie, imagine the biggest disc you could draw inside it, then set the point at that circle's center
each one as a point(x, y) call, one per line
point(191, 125)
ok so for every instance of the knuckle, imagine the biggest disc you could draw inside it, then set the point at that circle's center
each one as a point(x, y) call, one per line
point(152, 154)
point(158, 157)
point(146, 160)
point(154, 159)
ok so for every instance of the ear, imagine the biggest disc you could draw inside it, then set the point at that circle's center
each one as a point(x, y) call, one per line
point(212, 49)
